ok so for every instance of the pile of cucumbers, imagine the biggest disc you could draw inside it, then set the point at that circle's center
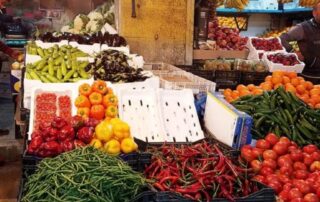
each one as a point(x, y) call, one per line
point(57, 64)
point(282, 113)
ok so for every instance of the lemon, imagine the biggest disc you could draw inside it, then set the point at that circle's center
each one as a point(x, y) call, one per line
point(104, 131)
point(96, 143)
point(112, 147)
point(128, 145)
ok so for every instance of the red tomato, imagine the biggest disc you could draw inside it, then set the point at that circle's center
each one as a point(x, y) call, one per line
point(256, 165)
point(301, 174)
point(285, 140)
point(270, 154)
point(310, 148)
point(286, 170)
point(311, 182)
point(280, 148)
point(284, 195)
point(276, 186)
point(296, 155)
point(284, 160)
point(315, 166)
point(283, 178)
point(294, 193)
point(303, 187)
point(265, 171)
point(287, 186)
point(318, 192)
point(247, 155)
point(292, 148)
point(311, 197)
point(316, 156)
point(299, 166)
point(259, 178)
point(272, 138)
point(257, 152)
point(297, 200)
point(294, 144)
point(263, 144)
point(307, 159)
point(270, 163)
point(272, 178)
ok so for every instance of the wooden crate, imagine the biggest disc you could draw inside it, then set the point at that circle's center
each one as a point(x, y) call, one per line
point(162, 30)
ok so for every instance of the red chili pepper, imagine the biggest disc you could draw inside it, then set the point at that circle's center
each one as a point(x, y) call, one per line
point(189, 196)
point(173, 179)
point(159, 186)
point(206, 194)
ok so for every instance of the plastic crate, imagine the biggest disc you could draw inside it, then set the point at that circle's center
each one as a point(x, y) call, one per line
point(253, 77)
point(227, 79)
point(265, 194)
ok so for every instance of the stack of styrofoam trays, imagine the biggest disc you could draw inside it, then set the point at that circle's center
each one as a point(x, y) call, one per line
point(58, 88)
point(254, 53)
point(161, 115)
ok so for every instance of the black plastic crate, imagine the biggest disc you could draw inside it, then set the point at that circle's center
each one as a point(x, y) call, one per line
point(265, 194)
point(206, 74)
point(313, 79)
point(253, 77)
point(227, 79)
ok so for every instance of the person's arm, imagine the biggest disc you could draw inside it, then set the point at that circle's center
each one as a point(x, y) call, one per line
point(9, 51)
point(295, 34)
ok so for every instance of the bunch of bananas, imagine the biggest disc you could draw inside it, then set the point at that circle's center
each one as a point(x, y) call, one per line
point(238, 4)
point(285, 1)
point(308, 3)
point(230, 22)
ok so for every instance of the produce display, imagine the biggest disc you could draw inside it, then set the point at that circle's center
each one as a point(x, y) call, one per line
point(305, 90)
point(57, 64)
point(285, 59)
point(84, 174)
point(230, 22)
point(226, 38)
point(199, 172)
point(60, 135)
point(96, 20)
point(275, 33)
point(224, 65)
point(238, 4)
point(112, 40)
point(292, 171)
point(48, 105)
point(96, 101)
point(272, 44)
point(251, 66)
point(282, 113)
point(113, 66)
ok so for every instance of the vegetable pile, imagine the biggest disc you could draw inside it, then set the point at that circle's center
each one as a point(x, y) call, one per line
point(84, 174)
point(58, 136)
point(113, 66)
point(282, 113)
point(96, 101)
point(112, 40)
point(57, 64)
point(198, 172)
point(292, 171)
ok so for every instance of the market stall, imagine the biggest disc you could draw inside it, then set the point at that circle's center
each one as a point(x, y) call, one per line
point(240, 124)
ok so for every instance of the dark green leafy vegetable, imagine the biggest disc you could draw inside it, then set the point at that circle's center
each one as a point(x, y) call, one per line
point(84, 174)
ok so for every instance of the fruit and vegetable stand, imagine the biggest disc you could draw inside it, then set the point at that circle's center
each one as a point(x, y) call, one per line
point(103, 125)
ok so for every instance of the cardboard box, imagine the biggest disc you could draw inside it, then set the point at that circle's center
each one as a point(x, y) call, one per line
point(226, 123)
point(214, 54)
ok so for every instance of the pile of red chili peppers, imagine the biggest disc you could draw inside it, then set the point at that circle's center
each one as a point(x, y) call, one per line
point(199, 172)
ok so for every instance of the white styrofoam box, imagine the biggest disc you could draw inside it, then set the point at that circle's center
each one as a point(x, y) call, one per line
point(298, 68)
point(60, 89)
point(291, 5)
point(160, 115)
point(225, 123)
point(42, 44)
point(32, 58)
point(150, 83)
point(270, 4)
point(108, 28)
point(254, 53)
point(124, 49)
point(89, 49)
point(136, 61)
point(140, 110)
point(179, 116)
point(254, 5)
point(30, 84)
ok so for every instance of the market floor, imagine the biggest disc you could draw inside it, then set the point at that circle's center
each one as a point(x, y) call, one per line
point(10, 175)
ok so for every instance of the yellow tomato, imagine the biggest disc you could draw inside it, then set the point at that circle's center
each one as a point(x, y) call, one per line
point(104, 131)
point(128, 145)
point(96, 143)
point(112, 147)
